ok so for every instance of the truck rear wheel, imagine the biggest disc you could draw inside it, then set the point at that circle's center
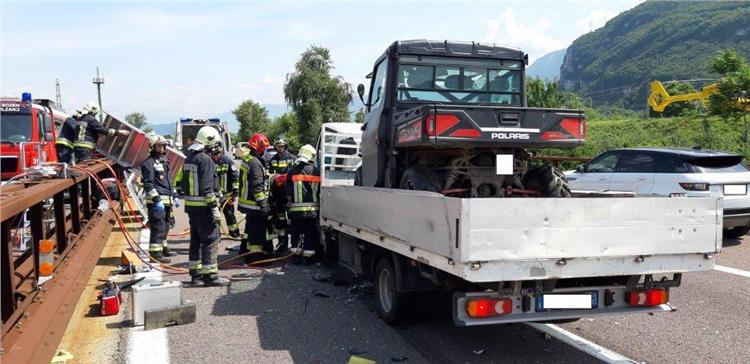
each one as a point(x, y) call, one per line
point(548, 180)
point(392, 304)
point(736, 232)
point(420, 178)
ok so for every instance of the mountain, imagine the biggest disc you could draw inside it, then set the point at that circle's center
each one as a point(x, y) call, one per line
point(656, 40)
point(548, 66)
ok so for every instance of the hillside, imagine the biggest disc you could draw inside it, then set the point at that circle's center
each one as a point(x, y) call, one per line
point(548, 66)
point(653, 41)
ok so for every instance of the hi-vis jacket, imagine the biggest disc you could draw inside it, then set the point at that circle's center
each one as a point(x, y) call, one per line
point(199, 181)
point(155, 174)
point(253, 187)
point(67, 133)
point(303, 191)
point(281, 162)
point(89, 128)
point(229, 180)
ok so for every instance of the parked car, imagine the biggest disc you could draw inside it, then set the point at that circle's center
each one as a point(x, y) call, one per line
point(672, 172)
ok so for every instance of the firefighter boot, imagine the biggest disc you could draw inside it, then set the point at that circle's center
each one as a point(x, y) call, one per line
point(160, 258)
point(215, 280)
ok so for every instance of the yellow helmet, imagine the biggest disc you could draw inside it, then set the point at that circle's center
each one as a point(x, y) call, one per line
point(306, 154)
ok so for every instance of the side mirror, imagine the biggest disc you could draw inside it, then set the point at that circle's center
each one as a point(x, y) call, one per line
point(48, 136)
point(361, 93)
point(581, 168)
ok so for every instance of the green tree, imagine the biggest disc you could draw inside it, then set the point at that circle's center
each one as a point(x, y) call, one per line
point(359, 117)
point(543, 93)
point(253, 118)
point(733, 85)
point(286, 125)
point(680, 108)
point(315, 95)
point(136, 118)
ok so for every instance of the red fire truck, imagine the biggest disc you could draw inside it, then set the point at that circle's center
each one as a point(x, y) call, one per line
point(27, 133)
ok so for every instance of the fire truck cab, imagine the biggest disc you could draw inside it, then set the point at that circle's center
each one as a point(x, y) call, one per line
point(28, 132)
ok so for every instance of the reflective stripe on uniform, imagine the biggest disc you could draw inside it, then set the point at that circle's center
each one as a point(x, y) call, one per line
point(166, 200)
point(65, 142)
point(195, 264)
point(155, 248)
point(209, 269)
point(84, 144)
point(253, 247)
point(303, 207)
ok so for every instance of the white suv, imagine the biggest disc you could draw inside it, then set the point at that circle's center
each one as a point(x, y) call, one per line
point(670, 172)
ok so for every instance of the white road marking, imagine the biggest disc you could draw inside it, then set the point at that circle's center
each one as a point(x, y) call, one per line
point(146, 347)
point(739, 272)
point(577, 342)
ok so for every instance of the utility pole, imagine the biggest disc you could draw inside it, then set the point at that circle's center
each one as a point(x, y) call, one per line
point(98, 81)
point(58, 96)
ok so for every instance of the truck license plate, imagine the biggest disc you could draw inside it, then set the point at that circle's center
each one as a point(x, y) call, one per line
point(504, 164)
point(566, 301)
point(735, 189)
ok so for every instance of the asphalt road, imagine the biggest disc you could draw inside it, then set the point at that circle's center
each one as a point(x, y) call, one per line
point(288, 316)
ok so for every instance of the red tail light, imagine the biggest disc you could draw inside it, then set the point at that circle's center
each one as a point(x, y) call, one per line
point(553, 135)
point(694, 186)
point(650, 297)
point(438, 124)
point(489, 307)
point(466, 133)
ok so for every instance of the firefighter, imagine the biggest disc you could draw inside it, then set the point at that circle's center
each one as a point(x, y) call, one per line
point(280, 162)
point(200, 185)
point(89, 129)
point(253, 199)
point(302, 192)
point(229, 185)
point(64, 144)
point(155, 172)
point(277, 202)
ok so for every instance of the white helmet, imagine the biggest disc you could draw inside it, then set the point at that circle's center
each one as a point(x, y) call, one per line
point(306, 154)
point(208, 136)
point(154, 140)
point(92, 108)
point(77, 113)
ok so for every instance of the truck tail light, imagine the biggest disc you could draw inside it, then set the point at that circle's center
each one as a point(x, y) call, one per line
point(694, 186)
point(489, 307)
point(553, 135)
point(46, 257)
point(649, 297)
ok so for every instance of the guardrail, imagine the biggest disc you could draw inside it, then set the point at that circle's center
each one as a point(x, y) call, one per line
point(36, 307)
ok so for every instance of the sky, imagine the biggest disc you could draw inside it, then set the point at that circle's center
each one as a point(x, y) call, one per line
point(201, 59)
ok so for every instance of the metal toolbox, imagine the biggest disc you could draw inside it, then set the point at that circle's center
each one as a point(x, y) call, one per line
point(132, 150)
point(153, 296)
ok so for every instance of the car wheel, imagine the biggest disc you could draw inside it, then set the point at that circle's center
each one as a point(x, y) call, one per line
point(737, 232)
point(391, 303)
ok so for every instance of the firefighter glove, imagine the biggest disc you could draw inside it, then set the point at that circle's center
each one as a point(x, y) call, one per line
point(215, 215)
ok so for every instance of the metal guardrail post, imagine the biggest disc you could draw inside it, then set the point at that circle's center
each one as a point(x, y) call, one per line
point(75, 215)
point(35, 216)
point(7, 279)
point(86, 197)
point(60, 236)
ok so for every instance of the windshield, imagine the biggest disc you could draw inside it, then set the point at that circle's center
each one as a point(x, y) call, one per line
point(460, 81)
point(15, 127)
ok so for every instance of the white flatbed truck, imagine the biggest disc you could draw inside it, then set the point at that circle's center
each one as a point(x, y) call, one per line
point(511, 259)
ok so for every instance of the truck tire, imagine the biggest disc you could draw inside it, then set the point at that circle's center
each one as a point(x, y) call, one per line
point(548, 180)
point(392, 304)
point(736, 232)
point(421, 178)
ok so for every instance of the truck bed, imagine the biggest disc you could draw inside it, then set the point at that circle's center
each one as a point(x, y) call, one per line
point(486, 240)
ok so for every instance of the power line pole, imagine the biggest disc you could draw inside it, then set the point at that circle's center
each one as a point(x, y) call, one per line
point(58, 96)
point(98, 81)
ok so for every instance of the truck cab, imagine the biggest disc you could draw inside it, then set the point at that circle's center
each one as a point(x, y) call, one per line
point(27, 134)
point(187, 128)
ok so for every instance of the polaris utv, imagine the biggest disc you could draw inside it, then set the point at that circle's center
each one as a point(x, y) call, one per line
point(452, 117)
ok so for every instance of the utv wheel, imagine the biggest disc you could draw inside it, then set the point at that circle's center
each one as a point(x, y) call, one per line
point(737, 232)
point(358, 177)
point(421, 178)
point(548, 180)
point(392, 304)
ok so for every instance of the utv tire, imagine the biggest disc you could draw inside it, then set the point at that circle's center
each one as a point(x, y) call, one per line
point(548, 180)
point(392, 304)
point(737, 232)
point(421, 178)
point(358, 177)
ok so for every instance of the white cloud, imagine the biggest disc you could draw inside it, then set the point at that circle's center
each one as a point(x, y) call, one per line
point(596, 19)
point(507, 29)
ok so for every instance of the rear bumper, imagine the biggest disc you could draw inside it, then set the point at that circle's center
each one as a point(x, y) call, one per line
point(736, 217)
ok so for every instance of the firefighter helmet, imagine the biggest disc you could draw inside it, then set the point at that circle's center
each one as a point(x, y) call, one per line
point(279, 141)
point(154, 140)
point(92, 108)
point(306, 154)
point(259, 143)
point(208, 136)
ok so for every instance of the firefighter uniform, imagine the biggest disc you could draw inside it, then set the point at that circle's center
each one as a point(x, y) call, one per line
point(89, 129)
point(64, 143)
point(303, 192)
point(155, 172)
point(200, 185)
point(229, 185)
point(253, 202)
point(277, 202)
point(281, 162)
